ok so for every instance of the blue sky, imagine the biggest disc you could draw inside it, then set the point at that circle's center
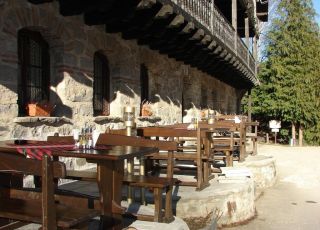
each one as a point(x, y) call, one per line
point(316, 4)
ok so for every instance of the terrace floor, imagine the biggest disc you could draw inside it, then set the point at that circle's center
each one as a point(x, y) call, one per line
point(293, 202)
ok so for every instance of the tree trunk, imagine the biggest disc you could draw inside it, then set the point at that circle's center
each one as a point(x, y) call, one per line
point(293, 131)
point(300, 135)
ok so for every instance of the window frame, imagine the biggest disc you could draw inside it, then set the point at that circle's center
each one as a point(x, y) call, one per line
point(27, 82)
point(101, 92)
point(144, 85)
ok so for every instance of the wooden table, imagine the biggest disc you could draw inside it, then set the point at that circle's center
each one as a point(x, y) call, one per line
point(110, 172)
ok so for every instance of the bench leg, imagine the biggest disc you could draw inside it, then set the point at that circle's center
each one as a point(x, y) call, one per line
point(254, 143)
point(229, 159)
point(157, 193)
point(130, 168)
point(242, 151)
point(168, 215)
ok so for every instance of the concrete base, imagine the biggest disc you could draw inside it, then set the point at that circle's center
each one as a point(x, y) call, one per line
point(263, 169)
point(177, 224)
point(228, 202)
point(230, 199)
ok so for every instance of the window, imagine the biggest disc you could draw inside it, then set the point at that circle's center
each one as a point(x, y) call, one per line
point(204, 98)
point(144, 83)
point(214, 99)
point(101, 85)
point(34, 69)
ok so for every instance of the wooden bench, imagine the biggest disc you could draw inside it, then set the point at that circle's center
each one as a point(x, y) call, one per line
point(44, 210)
point(239, 130)
point(196, 155)
point(158, 184)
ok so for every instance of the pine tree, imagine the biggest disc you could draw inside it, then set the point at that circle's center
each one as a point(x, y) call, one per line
point(290, 74)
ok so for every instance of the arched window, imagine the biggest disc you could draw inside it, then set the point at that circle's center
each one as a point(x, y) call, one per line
point(34, 69)
point(144, 84)
point(101, 85)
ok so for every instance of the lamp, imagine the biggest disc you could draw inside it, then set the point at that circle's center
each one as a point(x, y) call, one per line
point(129, 119)
point(129, 122)
point(210, 117)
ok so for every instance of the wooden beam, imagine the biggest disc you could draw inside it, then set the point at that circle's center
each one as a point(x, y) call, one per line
point(114, 12)
point(39, 1)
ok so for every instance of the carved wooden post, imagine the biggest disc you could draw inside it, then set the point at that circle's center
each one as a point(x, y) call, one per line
point(249, 105)
point(234, 22)
point(255, 47)
point(246, 28)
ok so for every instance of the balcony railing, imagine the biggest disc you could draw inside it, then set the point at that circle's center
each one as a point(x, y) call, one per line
point(222, 28)
point(205, 13)
point(242, 50)
point(199, 9)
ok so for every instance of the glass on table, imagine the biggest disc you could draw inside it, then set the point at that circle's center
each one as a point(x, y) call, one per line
point(95, 136)
point(211, 118)
point(76, 138)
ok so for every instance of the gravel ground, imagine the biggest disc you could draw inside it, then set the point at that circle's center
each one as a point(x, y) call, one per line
point(294, 201)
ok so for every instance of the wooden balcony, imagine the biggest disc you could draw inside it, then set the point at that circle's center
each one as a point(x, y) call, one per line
point(192, 31)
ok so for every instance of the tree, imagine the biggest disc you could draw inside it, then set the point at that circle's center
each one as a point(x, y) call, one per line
point(290, 73)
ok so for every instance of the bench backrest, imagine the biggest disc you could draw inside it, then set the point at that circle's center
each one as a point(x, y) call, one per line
point(14, 163)
point(165, 132)
point(116, 139)
point(61, 139)
point(182, 132)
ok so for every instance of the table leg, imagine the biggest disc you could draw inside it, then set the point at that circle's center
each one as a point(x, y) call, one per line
point(110, 176)
point(170, 164)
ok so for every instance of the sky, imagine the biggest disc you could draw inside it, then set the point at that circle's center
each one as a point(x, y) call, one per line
point(316, 4)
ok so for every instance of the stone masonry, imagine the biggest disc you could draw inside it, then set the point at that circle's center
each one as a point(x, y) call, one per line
point(72, 46)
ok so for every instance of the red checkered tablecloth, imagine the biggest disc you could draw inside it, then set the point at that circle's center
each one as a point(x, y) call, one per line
point(36, 149)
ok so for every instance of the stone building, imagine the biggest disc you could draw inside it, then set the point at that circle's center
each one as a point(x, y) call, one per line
point(89, 60)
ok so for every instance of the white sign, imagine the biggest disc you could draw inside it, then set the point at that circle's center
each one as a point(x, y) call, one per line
point(274, 124)
point(275, 130)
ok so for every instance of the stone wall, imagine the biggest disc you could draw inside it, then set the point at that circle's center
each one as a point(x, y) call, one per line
point(72, 46)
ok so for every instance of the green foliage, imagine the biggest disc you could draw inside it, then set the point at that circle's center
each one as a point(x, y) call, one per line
point(290, 74)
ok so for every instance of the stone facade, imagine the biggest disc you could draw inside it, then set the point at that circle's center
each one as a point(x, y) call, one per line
point(173, 86)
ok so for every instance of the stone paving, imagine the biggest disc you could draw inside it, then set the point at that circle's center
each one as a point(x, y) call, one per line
point(294, 201)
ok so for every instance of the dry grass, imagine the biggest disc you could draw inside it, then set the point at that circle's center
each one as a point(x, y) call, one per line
point(195, 223)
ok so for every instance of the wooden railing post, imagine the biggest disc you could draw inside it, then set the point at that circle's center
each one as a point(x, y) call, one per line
point(246, 27)
point(234, 22)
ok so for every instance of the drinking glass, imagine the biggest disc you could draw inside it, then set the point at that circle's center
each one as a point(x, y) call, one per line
point(76, 137)
point(95, 136)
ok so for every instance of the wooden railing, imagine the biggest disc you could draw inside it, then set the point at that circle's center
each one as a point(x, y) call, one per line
point(222, 28)
point(252, 62)
point(198, 9)
point(209, 16)
point(242, 50)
